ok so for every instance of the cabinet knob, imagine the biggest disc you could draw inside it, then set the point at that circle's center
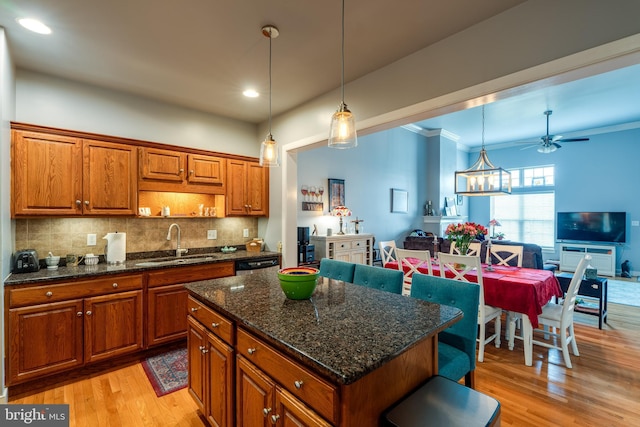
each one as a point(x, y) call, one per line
point(115, 286)
point(89, 313)
point(194, 309)
point(215, 325)
point(191, 172)
point(594, 286)
point(181, 170)
point(298, 384)
point(86, 202)
point(204, 350)
point(251, 350)
point(49, 294)
point(200, 347)
point(274, 418)
point(78, 202)
point(266, 411)
point(79, 314)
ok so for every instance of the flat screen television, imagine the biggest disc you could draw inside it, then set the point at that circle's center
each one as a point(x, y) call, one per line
point(607, 227)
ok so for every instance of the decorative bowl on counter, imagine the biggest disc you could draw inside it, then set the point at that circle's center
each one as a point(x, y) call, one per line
point(52, 262)
point(228, 249)
point(91, 259)
point(298, 282)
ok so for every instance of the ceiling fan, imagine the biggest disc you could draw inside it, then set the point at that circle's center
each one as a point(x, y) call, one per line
point(549, 143)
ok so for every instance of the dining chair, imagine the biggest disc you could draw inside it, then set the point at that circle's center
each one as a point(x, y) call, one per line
point(387, 251)
point(409, 267)
point(457, 343)
point(474, 248)
point(486, 313)
point(336, 269)
point(559, 317)
point(505, 254)
point(380, 278)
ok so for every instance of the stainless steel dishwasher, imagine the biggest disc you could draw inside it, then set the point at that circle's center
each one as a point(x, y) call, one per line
point(251, 265)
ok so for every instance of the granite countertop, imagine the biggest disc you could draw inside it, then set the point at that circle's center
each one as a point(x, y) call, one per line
point(130, 266)
point(343, 332)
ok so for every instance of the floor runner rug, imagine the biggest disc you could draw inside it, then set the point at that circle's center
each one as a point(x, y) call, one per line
point(623, 292)
point(167, 372)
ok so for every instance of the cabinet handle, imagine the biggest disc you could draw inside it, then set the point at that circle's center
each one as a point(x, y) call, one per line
point(181, 170)
point(49, 294)
point(246, 206)
point(594, 286)
point(191, 172)
point(298, 384)
point(89, 313)
point(79, 314)
point(78, 202)
point(200, 347)
point(274, 418)
point(204, 350)
point(215, 325)
point(251, 350)
point(86, 202)
point(266, 411)
point(194, 309)
point(115, 286)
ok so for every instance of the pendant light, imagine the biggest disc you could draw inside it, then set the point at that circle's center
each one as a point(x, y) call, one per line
point(269, 155)
point(482, 178)
point(343, 123)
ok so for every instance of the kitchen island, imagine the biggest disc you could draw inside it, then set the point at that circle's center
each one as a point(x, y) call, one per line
point(340, 358)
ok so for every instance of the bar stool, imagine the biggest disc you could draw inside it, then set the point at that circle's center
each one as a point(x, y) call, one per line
point(443, 402)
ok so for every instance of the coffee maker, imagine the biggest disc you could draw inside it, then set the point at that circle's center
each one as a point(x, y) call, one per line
point(306, 252)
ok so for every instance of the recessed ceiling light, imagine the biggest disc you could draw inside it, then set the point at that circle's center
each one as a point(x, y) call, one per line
point(34, 25)
point(250, 93)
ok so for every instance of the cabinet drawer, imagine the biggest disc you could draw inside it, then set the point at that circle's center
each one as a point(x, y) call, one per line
point(342, 246)
point(213, 321)
point(306, 386)
point(186, 274)
point(359, 244)
point(64, 291)
point(591, 288)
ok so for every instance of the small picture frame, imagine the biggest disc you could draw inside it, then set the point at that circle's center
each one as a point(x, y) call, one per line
point(399, 201)
point(336, 193)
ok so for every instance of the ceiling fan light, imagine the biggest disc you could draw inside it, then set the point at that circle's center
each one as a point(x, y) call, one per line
point(343, 129)
point(546, 149)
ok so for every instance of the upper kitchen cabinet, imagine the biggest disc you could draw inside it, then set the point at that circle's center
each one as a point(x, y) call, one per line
point(248, 188)
point(169, 170)
point(67, 176)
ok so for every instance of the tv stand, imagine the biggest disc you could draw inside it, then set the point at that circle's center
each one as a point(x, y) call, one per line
point(603, 257)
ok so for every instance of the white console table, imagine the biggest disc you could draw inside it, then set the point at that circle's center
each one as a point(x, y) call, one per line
point(603, 257)
point(355, 248)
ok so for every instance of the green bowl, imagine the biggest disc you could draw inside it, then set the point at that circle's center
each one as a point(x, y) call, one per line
point(298, 282)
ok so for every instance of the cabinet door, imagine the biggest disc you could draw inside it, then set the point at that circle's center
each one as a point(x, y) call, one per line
point(236, 187)
point(196, 342)
point(343, 256)
point(358, 256)
point(206, 169)
point(257, 189)
point(254, 395)
point(109, 179)
point(47, 174)
point(220, 382)
point(161, 165)
point(44, 339)
point(166, 320)
point(290, 412)
point(113, 325)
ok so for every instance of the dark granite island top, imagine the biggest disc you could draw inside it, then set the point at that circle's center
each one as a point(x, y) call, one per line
point(343, 332)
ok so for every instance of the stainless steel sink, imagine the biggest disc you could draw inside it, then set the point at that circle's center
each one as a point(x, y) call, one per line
point(174, 261)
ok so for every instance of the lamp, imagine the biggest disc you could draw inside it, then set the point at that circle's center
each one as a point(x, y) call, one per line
point(269, 148)
point(341, 211)
point(483, 178)
point(343, 124)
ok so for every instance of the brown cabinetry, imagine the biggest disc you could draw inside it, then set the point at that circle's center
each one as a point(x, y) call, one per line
point(169, 170)
point(60, 175)
point(247, 188)
point(48, 332)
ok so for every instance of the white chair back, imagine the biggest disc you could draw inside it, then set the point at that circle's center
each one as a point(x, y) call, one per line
point(569, 303)
point(408, 265)
point(502, 254)
point(448, 263)
point(474, 248)
point(387, 251)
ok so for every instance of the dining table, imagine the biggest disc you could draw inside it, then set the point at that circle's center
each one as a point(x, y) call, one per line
point(516, 289)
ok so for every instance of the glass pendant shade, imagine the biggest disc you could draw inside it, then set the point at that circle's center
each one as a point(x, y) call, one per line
point(343, 129)
point(269, 155)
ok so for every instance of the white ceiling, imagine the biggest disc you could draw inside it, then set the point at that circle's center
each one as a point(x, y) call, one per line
point(202, 54)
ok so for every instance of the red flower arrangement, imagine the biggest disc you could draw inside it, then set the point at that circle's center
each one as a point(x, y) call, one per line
point(464, 233)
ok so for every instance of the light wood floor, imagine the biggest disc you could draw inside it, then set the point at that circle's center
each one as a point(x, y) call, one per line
point(602, 389)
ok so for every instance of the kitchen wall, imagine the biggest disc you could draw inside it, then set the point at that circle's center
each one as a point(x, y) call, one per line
point(63, 236)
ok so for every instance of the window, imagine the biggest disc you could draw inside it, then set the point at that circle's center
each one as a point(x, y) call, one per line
point(528, 214)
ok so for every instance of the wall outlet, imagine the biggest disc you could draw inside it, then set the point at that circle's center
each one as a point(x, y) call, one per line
point(91, 239)
point(245, 232)
point(212, 234)
point(635, 223)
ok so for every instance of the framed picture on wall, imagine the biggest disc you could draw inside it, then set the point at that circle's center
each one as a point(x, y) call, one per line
point(336, 193)
point(399, 201)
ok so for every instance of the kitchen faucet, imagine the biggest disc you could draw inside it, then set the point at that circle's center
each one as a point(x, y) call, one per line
point(178, 250)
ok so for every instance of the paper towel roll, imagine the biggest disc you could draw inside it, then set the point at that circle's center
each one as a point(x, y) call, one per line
point(116, 251)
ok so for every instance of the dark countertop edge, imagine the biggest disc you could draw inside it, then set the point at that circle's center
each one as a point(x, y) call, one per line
point(82, 271)
point(308, 361)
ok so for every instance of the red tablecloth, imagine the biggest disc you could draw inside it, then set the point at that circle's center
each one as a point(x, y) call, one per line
point(523, 290)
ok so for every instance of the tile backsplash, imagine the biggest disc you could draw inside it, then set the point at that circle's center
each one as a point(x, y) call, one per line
point(69, 235)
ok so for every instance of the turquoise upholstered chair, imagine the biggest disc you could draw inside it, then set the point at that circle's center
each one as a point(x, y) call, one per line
point(380, 278)
point(457, 343)
point(338, 270)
